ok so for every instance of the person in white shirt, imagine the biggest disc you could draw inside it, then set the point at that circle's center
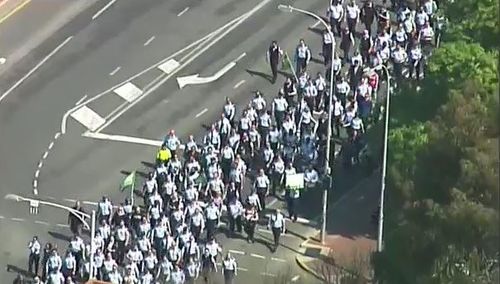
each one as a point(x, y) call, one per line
point(56, 277)
point(279, 108)
point(277, 226)
point(415, 61)
point(426, 35)
point(311, 177)
point(99, 264)
point(230, 269)
point(320, 84)
point(421, 18)
point(302, 57)
point(336, 15)
point(114, 276)
point(353, 13)
point(278, 169)
point(229, 109)
point(122, 240)
point(342, 90)
point(399, 58)
point(212, 219)
point(54, 262)
point(171, 141)
point(69, 265)
point(105, 208)
point(338, 112)
point(235, 212)
point(328, 46)
point(34, 255)
point(177, 276)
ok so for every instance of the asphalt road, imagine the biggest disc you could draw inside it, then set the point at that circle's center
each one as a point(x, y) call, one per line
point(124, 40)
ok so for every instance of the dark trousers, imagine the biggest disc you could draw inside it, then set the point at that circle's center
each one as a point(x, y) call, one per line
point(398, 71)
point(120, 251)
point(196, 231)
point(250, 230)
point(235, 224)
point(336, 25)
point(261, 193)
point(415, 67)
point(274, 70)
point(292, 204)
point(351, 24)
point(33, 263)
point(327, 53)
point(279, 116)
point(276, 237)
point(301, 66)
point(228, 276)
point(211, 226)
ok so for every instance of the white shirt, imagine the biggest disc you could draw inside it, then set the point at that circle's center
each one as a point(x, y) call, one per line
point(177, 277)
point(56, 278)
point(34, 247)
point(320, 84)
point(69, 262)
point(328, 39)
point(353, 12)
point(259, 103)
point(230, 264)
point(399, 56)
point(277, 221)
point(280, 104)
point(421, 18)
point(303, 52)
point(265, 120)
point(338, 109)
point(311, 176)
point(416, 54)
point(212, 212)
point(229, 110)
point(262, 181)
point(105, 207)
point(336, 11)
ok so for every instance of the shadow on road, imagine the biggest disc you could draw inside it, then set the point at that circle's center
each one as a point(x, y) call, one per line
point(60, 236)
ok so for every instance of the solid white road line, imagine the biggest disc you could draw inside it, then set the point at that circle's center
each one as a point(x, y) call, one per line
point(257, 256)
point(128, 92)
point(201, 112)
point(70, 200)
point(219, 37)
point(237, 252)
point(239, 84)
point(112, 73)
point(34, 69)
point(88, 118)
point(149, 40)
point(17, 219)
point(183, 11)
point(121, 138)
point(2, 217)
point(103, 9)
point(80, 101)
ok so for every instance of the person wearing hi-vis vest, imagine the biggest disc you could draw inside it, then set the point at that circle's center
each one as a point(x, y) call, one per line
point(163, 155)
point(230, 269)
point(277, 226)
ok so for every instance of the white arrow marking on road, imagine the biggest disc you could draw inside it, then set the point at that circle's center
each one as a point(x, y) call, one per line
point(2, 60)
point(121, 138)
point(195, 79)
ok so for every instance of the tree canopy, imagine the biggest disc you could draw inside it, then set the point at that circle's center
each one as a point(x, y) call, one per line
point(442, 211)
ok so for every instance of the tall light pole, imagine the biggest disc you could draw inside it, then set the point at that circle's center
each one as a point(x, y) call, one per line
point(35, 203)
point(380, 237)
point(328, 172)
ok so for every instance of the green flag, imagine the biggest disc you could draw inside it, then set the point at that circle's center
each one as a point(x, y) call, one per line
point(129, 181)
point(285, 62)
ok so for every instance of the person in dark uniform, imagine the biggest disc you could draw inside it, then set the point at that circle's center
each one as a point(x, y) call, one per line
point(365, 46)
point(346, 43)
point(274, 55)
point(74, 222)
point(368, 15)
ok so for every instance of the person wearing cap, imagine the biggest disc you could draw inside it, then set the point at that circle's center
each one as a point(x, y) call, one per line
point(277, 226)
point(230, 269)
point(34, 255)
point(273, 57)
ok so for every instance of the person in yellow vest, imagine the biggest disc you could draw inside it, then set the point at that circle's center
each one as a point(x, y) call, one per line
point(163, 155)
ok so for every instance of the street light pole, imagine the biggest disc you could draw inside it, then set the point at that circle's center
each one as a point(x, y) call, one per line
point(380, 237)
point(80, 215)
point(328, 171)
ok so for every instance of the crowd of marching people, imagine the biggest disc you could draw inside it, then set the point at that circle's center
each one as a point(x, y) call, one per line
point(170, 238)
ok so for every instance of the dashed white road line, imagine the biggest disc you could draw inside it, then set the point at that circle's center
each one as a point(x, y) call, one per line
point(70, 200)
point(42, 223)
point(295, 278)
point(201, 112)
point(112, 73)
point(59, 133)
point(34, 69)
point(150, 40)
point(315, 24)
point(89, 202)
point(81, 100)
point(268, 274)
point(17, 219)
point(62, 225)
point(239, 84)
point(183, 11)
point(51, 144)
point(278, 259)
point(258, 256)
point(103, 9)
point(237, 252)
point(2, 217)
point(37, 173)
point(242, 269)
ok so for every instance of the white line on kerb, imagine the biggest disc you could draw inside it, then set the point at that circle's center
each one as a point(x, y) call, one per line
point(237, 252)
point(17, 219)
point(115, 71)
point(239, 84)
point(103, 9)
point(80, 101)
point(183, 11)
point(216, 38)
point(201, 112)
point(257, 256)
point(149, 40)
point(34, 69)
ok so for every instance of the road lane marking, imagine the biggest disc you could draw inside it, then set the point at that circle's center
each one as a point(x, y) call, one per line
point(17, 219)
point(88, 118)
point(51, 145)
point(150, 40)
point(2, 217)
point(315, 24)
point(239, 84)
point(299, 219)
point(34, 69)
point(35, 184)
point(57, 135)
point(70, 200)
point(40, 164)
point(218, 38)
point(15, 10)
point(257, 256)
point(278, 259)
point(112, 73)
point(121, 138)
point(241, 269)
point(183, 11)
point(295, 278)
point(3, 60)
point(62, 225)
point(45, 155)
point(267, 274)
point(201, 112)
point(42, 223)
point(237, 252)
point(169, 66)
point(37, 173)
point(128, 92)
point(103, 9)
point(77, 103)
point(91, 203)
